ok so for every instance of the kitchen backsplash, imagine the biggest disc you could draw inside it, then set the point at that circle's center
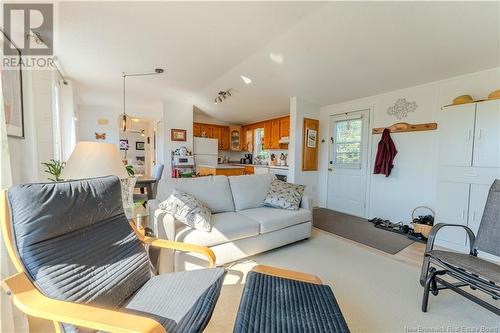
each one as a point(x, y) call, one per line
point(234, 156)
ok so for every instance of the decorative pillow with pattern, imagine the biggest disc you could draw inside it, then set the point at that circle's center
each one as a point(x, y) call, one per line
point(188, 210)
point(284, 195)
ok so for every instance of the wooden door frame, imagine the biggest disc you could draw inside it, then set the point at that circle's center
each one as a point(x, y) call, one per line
point(369, 153)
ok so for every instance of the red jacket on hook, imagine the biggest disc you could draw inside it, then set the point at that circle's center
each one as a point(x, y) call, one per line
point(385, 154)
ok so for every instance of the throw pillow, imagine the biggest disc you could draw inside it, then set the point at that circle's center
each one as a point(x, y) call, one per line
point(284, 195)
point(188, 210)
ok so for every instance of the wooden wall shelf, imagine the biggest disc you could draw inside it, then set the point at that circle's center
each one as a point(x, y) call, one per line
point(405, 127)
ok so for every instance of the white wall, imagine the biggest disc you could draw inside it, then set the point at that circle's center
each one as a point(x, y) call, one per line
point(413, 180)
point(88, 116)
point(37, 146)
point(176, 115)
point(300, 109)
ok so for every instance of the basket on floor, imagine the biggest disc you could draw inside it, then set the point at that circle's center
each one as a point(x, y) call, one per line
point(423, 229)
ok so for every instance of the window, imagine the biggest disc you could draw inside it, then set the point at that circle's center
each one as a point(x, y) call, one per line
point(347, 143)
point(259, 144)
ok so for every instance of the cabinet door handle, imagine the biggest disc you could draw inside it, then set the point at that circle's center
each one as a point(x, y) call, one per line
point(479, 134)
point(469, 134)
point(474, 216)
point(471, 175)
point(463, 214)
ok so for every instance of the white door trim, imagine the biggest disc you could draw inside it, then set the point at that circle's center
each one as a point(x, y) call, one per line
point(369, 153)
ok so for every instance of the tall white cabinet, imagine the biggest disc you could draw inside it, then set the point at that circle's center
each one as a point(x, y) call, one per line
point(469, 162)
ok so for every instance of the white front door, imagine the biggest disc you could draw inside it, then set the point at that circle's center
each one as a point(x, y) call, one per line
point(348, 163)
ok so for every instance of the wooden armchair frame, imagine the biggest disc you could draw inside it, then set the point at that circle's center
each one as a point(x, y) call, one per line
point(32, 302)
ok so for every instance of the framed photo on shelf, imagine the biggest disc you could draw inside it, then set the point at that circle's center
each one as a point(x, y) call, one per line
point(12, 93)
point(178, 134)
point(123, 144)
point(139, 145)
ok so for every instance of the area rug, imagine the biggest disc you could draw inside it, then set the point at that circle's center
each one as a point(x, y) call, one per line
point(359, 230)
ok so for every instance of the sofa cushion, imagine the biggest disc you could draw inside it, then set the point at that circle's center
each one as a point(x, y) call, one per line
point(188, 210)
point(226, 227)
point(250, 191)
point(272, 219)
point(213, 191)
point(284, 195)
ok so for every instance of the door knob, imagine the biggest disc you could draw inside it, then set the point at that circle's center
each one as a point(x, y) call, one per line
point(330, 169)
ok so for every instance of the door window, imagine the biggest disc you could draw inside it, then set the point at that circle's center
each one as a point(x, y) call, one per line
point(347, 143)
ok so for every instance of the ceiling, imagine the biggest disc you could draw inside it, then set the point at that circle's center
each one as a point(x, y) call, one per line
point(323, 52)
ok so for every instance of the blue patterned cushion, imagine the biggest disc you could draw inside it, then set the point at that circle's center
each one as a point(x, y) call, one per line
point(284, 195)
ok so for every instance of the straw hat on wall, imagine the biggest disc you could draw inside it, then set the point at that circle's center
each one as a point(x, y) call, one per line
point(494, 94)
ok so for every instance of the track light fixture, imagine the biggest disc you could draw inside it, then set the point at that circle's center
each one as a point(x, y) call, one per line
point(222, 95)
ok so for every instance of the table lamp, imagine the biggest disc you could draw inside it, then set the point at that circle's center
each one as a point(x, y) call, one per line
point(94, 159)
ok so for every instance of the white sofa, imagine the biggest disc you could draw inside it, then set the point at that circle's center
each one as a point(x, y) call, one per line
point(242, 226)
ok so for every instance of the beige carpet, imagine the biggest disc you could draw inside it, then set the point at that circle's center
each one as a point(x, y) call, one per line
point(376, 292)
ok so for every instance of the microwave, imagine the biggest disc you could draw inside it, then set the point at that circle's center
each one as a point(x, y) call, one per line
point(183, 160)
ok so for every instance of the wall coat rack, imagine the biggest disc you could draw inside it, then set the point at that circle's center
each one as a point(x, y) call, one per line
point(405, 127)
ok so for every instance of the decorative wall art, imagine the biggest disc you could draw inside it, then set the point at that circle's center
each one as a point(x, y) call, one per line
point(124, 144)
point(178, 134)
point(401, 108)
point(12, 91)
point(100, 136)
point(311, 138)
point(139, 145)
point(310, 144)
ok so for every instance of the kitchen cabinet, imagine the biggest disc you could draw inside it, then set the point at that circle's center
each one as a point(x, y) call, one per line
point(284, 127)
point(248, 139)
point(468, 165)
point(235, 138)
point(249, 170)
point(267, 135)
point(224, 138)
point(206, 131)
point(196, 130)
point(275, 134)
point(221, 133)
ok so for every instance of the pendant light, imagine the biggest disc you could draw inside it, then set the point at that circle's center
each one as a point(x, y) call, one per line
point(124, 120)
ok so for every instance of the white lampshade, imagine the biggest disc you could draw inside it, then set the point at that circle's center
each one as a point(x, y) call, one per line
point(94, 159)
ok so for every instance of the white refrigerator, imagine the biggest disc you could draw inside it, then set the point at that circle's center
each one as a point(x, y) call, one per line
point(206, 151)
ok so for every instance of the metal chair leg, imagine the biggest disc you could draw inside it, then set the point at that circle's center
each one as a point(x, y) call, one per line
point(425, 299)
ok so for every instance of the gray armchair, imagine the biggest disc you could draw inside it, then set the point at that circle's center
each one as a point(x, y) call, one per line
point(467, 268)
point(81, 264)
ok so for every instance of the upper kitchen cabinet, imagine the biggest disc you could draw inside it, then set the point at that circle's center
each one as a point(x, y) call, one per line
point(206, 131)
point(219, 132)
point(456, 135)
point(267, 143)
point(285, 127)
point(487, 135)
point(275, 134)
point(224, 138)
point(247, 138)
point(235, 138)
point(196, 130)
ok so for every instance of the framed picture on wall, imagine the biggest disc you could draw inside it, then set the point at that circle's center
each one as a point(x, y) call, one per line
point(178, 134)
point(123, 144)
point(139, 145)
point(311, 138)
point(12, 93)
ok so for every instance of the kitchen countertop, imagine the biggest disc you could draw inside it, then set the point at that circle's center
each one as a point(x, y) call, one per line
point(261, 166)
point(220, 166)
